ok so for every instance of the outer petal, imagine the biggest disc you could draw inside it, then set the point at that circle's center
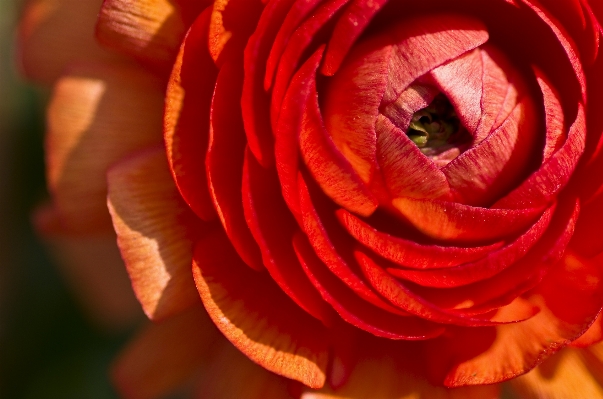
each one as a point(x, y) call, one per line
point(150, 30)
point(517, 348)
point(164, 355)
point(256, 316)
point(565, 375)
point(93, 269)
point(232, 375)
point(390, 371)
point(155, 233)
point(97, 115)
point(55, 33)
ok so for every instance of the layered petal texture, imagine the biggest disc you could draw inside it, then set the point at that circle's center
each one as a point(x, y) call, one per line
point(346, 185)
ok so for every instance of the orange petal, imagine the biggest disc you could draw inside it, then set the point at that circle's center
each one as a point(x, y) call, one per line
point(391, 372)
point(255, 315)
point(94, 271)
point(150, 30)
point(155, 233)
point(232, 375)
point(164, 355)
point(55, 33)
point(592, 336)
point(563, 376)
point(97, 115)
point(569, 297)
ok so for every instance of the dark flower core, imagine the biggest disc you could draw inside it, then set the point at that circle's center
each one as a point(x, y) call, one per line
point(436, 128)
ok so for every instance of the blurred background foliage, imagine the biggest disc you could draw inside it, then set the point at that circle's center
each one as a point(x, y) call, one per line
point(48, 348)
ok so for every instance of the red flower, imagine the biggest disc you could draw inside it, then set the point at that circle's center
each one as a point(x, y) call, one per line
point(373, 194)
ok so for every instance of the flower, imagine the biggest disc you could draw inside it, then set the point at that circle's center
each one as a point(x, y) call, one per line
point(378, 198)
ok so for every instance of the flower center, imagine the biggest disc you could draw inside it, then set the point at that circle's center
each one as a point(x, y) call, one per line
point(436, 128)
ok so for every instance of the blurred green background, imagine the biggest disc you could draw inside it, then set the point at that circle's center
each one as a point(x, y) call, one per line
point(48, 349)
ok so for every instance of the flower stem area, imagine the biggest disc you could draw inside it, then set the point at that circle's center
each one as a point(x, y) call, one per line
point(47, 346)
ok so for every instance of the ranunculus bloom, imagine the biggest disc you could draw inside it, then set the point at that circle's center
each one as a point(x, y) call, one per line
point(371, 198)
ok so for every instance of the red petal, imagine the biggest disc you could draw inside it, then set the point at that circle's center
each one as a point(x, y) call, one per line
point(224, 162)
point(401, 296)
point(406, 171)
point(461, 80)
point(186, 118)
point(488, 266)
point(254, 100)
point(326, 251)
point(273, 228)
point(231, 24)
point(409, 253)
point(485, 172)
point(440, 38)
point(351, 105)
point(296, 45)
point(328, 167)
point(356, 311)
point(544, 184)
point(350, 26)
point(254, 314)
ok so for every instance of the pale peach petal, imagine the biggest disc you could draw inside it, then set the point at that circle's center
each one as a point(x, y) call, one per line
point(97, 114)
point(54, 33)
point(563, 376)
point(150, 30)
point(256, 316)
point(232, 375)
point(93, 268)
point(164, 355)
point(155, 233)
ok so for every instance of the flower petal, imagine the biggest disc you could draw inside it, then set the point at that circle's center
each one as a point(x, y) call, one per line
point(231, 24)
point(97, 114)
point(224, 162)
point(232, 375)
point(517, 348)
point(155, 233)
point(407, 252)
point(164, 355)
point(186, 118)
point(565, 375)
point(149, 30)
point(56, 33)
point(254, 314)
point(390, 371)
point(454, 221)
point(356, 311)
point(273, 228)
